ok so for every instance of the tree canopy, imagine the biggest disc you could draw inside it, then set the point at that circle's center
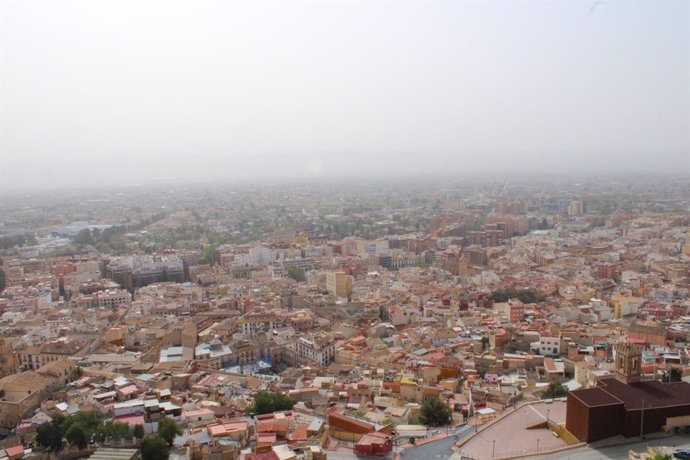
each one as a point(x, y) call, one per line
point(84, 237)
point(267, 402)
point(49, 435)
point(296, 273)
point(79, 429)
point(154, 448)
point(76, 436)
point(674, 374)
point(523, 295)
point(555, 390)
point(138, 431)
point(114, 430)
point(168, 429)
point(435, 413)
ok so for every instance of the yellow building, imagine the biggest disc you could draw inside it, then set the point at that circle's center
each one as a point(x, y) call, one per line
point(624, 305)
point(576, 208)
point(301, 239)
point(339, 284)
point(8, 360)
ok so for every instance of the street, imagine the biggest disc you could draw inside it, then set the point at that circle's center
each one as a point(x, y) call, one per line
point(616, 452)
point(441, 449)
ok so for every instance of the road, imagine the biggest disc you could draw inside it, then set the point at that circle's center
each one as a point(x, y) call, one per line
point(437, 450)
point(616, 452)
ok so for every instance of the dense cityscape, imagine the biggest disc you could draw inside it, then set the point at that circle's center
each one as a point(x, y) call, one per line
point(403, 318)
point(344, 230)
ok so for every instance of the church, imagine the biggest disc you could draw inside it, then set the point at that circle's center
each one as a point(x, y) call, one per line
point(626, 404)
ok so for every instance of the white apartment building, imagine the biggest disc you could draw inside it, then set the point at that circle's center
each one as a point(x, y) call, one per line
point(547, 346)
point(316, 350)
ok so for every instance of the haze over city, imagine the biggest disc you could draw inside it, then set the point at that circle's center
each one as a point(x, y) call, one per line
point(108, 93)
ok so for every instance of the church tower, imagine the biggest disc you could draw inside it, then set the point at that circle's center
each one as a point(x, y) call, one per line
point(628, 362)
point(8, 360)
point(463, 265)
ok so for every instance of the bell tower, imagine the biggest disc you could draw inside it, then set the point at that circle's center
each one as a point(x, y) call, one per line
point(628, 362)
point(463, 265)
point(8, 360)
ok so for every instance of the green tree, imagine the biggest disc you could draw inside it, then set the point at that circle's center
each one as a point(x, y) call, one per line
point(104, 432)
point(485, 342)
point(89, 421)
point(76, 436)
point(267, 402)
point(296, 273)
point(154, 448)
point(210, 254)
point(78, 372)
point(674, 374)
point(168, 429)
point(509, 347)
point(49, 436)
point(523, 295)
point(121, 431)
point(138, 431)
point(84, 237)
point(103, 247)
point(555, 390)
point(435, 413)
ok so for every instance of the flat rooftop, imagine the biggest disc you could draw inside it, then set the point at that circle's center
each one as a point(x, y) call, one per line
point(655, 394)
point(510, 436)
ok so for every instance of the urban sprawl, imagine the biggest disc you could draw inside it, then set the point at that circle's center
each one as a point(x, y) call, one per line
point(398, 318)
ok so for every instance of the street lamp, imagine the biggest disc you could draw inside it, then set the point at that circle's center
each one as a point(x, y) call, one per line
point(537, 444)
point(493, 450)
point(642, 421)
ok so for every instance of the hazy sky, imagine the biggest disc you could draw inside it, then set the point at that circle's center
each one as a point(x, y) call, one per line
point(126, 91)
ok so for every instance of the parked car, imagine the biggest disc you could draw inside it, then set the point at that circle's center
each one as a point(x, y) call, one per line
point(683, 454)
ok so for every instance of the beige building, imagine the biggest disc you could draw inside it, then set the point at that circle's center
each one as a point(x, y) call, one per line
point(110, 298)
point(339, 284)
point(576, 208)
point(38, 356)
point(21, 393)
point(8, 361)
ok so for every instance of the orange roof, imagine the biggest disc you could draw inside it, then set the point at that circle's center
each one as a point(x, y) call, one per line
point(372, 438)
point(129, 389)
point(549, 364)
point(236, 426)
point(270, 455)
point(300, 433)
point(267, 438)
point(264, 426)
point(226, 428)
point(131, 420)
point(14, 450)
